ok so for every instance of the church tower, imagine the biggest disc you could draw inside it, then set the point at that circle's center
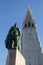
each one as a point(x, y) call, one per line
point(30, 43)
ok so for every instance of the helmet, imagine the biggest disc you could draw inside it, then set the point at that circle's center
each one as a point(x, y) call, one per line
point(16, 25)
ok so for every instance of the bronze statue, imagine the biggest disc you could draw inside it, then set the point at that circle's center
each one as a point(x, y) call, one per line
point(13, 38)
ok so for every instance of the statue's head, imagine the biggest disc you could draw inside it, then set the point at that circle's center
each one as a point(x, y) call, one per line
point(16, 25)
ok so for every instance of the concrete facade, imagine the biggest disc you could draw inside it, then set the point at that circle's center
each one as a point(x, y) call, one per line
point(31, 49)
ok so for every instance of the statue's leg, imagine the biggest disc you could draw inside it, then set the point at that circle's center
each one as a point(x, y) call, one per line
point(15, 42)
point(12, 44)
point(19, 44)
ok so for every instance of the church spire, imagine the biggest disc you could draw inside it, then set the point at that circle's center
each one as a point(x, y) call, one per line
point(29, 13)
point(29, 19)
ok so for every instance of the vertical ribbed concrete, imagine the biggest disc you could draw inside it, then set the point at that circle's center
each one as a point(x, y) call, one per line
point(31, 49)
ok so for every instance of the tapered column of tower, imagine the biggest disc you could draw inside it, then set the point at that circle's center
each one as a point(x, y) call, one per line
point(30, 42)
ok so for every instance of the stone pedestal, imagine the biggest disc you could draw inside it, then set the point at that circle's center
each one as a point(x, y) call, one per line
point(15, 58)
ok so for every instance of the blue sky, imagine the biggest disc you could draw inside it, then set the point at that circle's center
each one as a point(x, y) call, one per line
point(12, 11)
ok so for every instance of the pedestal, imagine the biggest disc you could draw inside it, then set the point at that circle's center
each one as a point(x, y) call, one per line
point(15, 58)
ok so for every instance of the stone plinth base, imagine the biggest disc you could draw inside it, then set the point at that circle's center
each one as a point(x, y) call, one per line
point(15, 58)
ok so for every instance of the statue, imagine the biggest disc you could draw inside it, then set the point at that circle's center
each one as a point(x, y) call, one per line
point(13, 38)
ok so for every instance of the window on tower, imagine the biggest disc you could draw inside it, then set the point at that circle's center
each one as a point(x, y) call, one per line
point(29, 57)
point(25, 25)
point(29, 24)
point(29, 50)
point(29, 64)
point(33, 25)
